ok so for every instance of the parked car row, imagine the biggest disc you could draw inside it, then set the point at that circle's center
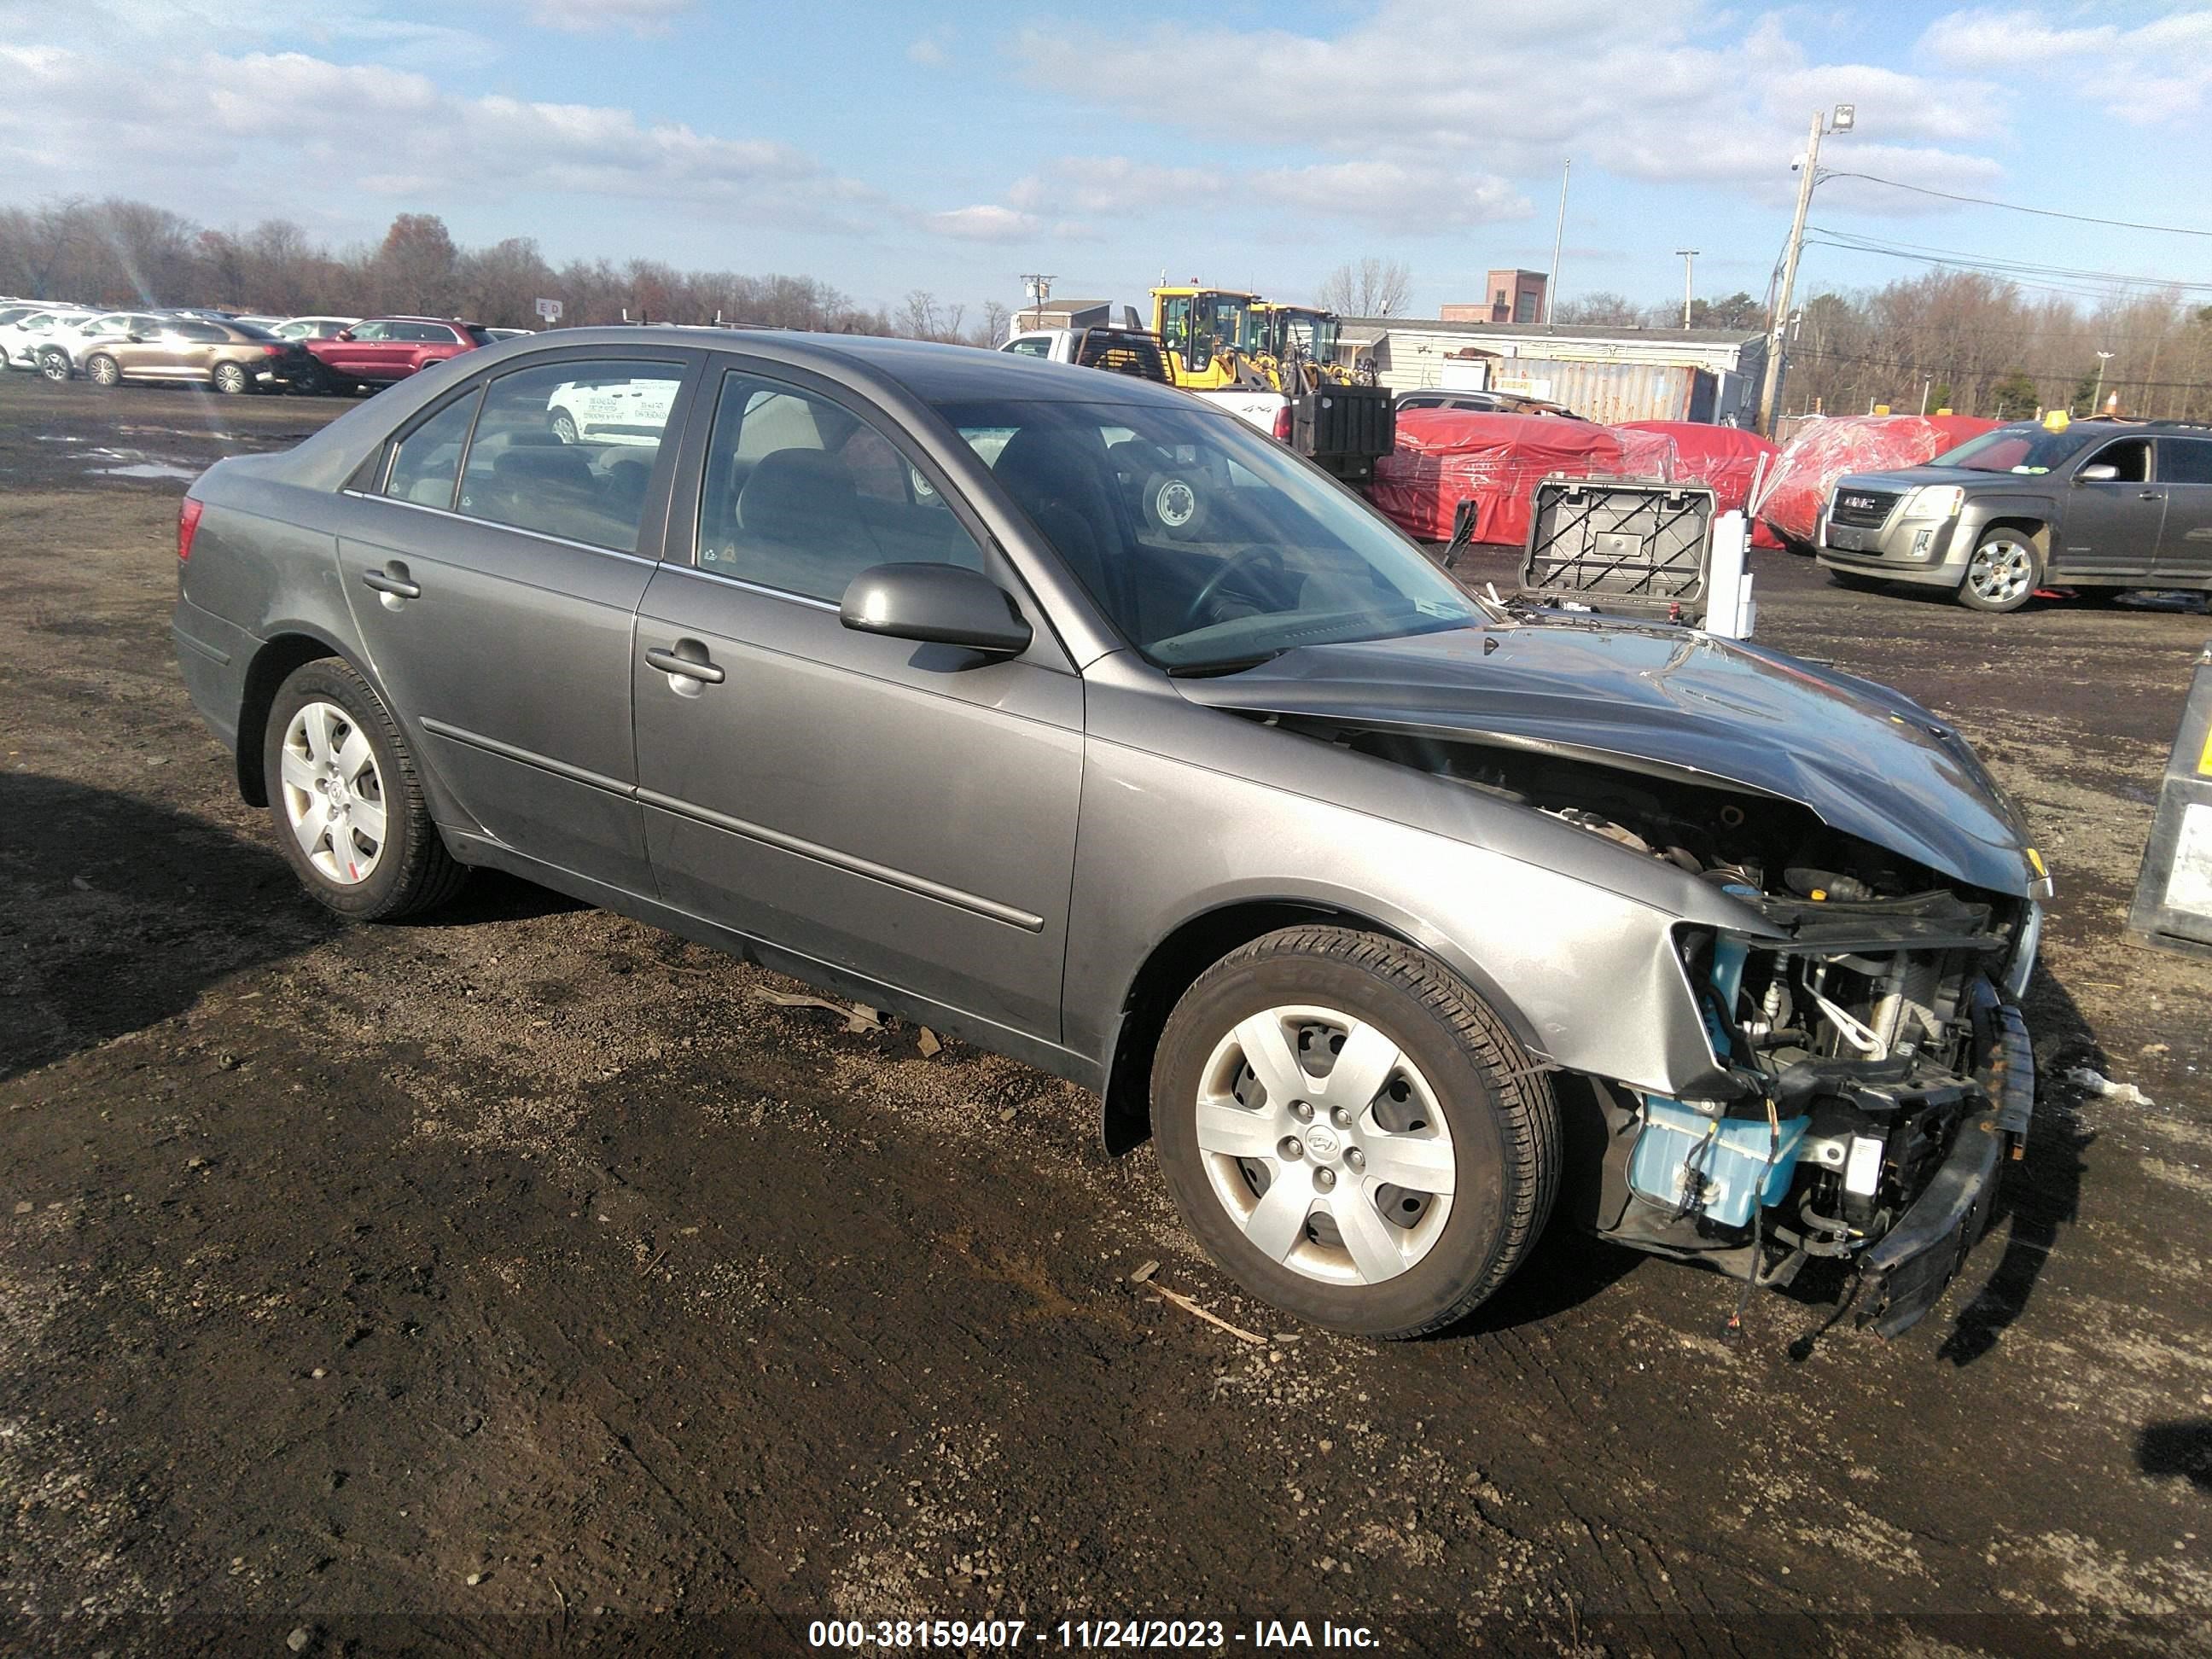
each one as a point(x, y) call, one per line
point(228, 352)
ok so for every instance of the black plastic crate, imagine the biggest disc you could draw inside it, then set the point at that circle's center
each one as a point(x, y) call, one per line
point(1345, 428)
point(1618, 545)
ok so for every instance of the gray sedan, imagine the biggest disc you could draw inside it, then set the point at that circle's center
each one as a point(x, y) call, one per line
point(1402, 919)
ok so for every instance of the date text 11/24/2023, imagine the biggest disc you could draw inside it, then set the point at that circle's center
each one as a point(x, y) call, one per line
point(1203, 1635)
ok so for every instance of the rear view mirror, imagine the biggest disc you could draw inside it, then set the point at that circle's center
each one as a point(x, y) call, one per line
point(2097, 472)
point(938, 604)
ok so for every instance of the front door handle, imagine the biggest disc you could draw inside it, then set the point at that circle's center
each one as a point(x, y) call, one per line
point(385, 582)
point(689, 660)
point(2151, 496)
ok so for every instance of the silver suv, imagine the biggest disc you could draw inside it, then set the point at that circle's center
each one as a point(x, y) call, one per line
point(2098, 506)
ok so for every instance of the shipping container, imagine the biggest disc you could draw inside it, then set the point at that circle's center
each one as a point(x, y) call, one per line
point(1611, 393)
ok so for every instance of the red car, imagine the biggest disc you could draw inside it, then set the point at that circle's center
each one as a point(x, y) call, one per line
point(382, 350)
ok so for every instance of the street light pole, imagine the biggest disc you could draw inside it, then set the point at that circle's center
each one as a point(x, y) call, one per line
point(2097, 402)
point(1559, 240)
point(1689, 259)
point(1845, 118)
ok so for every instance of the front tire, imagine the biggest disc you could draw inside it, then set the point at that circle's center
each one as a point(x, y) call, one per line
point(351, 816)
point(2003, 573)
point(103, 370)
point(1352, 1132)
point(564, 428)
point(229, 379)
point(54, 364)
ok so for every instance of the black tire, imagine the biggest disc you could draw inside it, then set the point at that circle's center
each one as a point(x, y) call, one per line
point(230, 379)
point(1176, 505)
point(1852, 580)
point(2002, 572)
point(1500, 1112)
point(312, 381)
point(103, 370)
point(54, 364)
point(414, 871)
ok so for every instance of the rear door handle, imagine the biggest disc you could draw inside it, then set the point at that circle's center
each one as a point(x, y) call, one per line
point(688, 659)
point(2151, 495)
point(385, 582)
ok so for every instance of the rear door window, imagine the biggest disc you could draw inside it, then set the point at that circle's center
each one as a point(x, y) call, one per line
point(427, 460)
point(529, 469)
point(2184, 460)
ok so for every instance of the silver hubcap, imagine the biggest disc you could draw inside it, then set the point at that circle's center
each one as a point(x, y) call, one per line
point(103, 372)
point(1177, 503)
point(333, 793)
point(1324, 1143)
point(2000, 571)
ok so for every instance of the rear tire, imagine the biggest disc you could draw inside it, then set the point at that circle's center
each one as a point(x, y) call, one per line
point(1407, 1201)
point(2003, 573)
point(351, 816)
point(103, 370)
point(229, 379)
point(54, 364)
point(564, 428)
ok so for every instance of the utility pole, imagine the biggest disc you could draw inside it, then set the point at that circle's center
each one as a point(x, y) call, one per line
point(1845, 118)
point(1039, 284)
point(2097, 403)
point(1688, 256)
point(1559, 237)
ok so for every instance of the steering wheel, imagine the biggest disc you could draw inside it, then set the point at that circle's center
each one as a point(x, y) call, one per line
point(1195, 614)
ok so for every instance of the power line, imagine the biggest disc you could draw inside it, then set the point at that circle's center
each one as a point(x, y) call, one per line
point(2015, 207)
point(1994, 263)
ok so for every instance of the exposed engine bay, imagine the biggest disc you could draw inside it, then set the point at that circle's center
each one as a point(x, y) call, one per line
point(1857, 1055)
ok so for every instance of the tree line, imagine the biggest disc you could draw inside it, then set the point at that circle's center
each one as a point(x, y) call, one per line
point(120, 254)
point(1972, 343)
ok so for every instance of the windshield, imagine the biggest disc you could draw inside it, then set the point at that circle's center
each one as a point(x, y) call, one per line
point(1210, 547)
point(2030, 449)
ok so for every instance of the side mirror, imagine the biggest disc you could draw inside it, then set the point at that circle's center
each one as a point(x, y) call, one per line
point(134, 339)
point(936, 604)
point(2097, 472)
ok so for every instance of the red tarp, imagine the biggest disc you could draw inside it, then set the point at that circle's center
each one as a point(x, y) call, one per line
point(1723, 459)
point(1823, 451)
point(1445, 455)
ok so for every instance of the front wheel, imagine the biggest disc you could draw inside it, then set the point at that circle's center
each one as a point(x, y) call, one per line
point(564, 428)
point(2003, 573)
point(351, 816)
point(1352, 1132)
point(230, 379)
point(54, 364)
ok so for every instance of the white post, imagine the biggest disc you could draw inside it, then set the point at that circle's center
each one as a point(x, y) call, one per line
point(1730, 610)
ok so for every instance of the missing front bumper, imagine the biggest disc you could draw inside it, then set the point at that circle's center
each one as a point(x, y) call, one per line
point(1907, 1272)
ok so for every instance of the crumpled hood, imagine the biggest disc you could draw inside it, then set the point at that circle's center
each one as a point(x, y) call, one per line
point(1869, 761)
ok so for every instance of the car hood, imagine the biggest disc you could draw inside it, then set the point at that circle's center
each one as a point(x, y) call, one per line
point(1869, 761)
point(1908, 477)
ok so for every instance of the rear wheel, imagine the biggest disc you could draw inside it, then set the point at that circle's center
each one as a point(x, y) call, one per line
point(564, 428)
point(2003, 573)
point(1352, 1132)
point(350, 814)
point(229, 379)
point(312, 380)
point(102, 370)
point(54, 364)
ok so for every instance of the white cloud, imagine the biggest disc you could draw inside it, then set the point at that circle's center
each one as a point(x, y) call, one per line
point(985, 223)
point(590, 16)
point(1665, 91)
point(928, 50)
point(199, 131)
point(1411, 197)
point(2156, 72)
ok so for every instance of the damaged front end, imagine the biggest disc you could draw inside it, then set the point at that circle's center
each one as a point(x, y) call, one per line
point(1872, 1069)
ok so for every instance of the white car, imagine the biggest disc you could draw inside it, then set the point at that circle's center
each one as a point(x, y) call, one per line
point(610, 412)
point(20, 340)
point(310, 328)
point(59, 352)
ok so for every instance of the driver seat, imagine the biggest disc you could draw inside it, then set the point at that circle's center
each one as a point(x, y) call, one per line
point(1047, 475)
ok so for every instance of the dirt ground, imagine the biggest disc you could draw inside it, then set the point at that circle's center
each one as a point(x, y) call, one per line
point(523, 1281)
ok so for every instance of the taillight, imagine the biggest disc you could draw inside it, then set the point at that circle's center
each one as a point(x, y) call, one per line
point(277, 350)
point(1283, 424)
point(188, 524)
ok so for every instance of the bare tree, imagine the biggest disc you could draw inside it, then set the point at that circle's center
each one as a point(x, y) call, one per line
point(922, 318)
point(1603, 309)
point(418, 266)
point(990, 329)
point(1372, 288)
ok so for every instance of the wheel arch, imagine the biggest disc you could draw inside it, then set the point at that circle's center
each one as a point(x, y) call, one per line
point(2036, 527)
point(1195, 945)
point(278, 657)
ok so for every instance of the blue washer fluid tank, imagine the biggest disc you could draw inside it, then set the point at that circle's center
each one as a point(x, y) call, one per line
point(1714, 1167)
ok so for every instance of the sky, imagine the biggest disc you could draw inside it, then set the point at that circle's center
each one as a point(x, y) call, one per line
point(885, 148)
